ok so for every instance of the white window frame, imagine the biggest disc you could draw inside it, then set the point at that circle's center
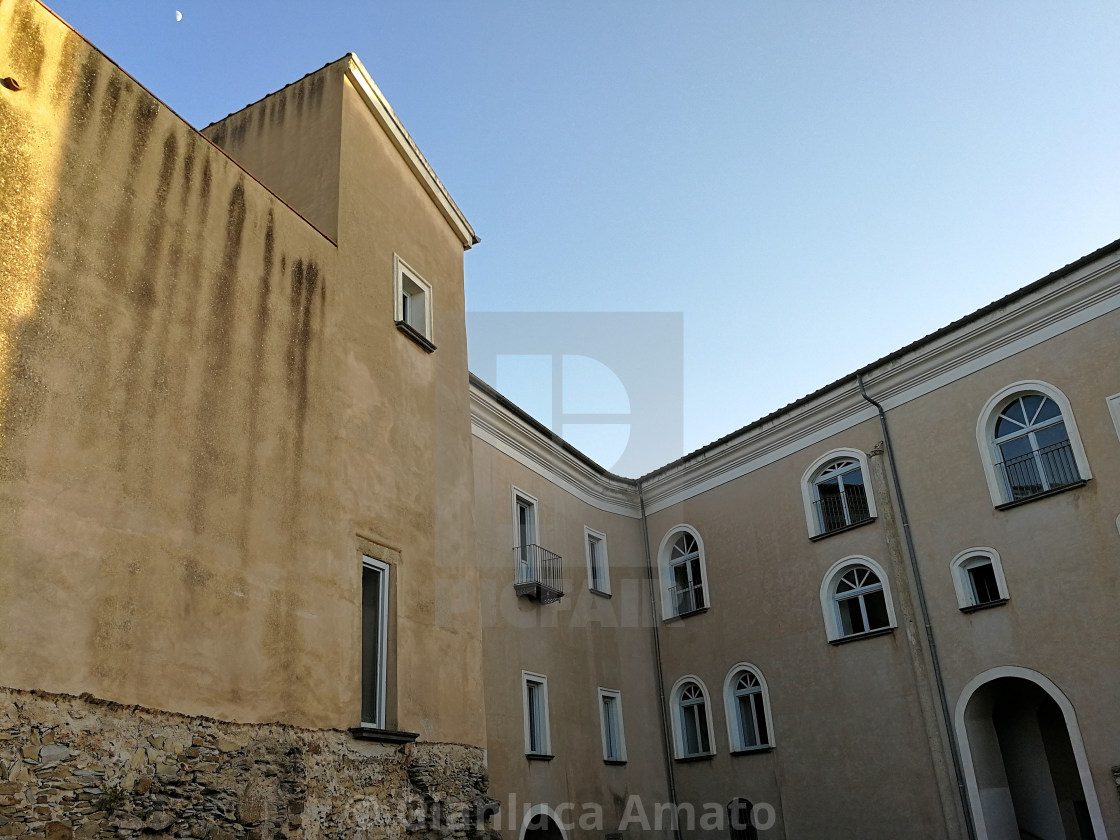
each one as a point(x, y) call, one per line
point(809, 492)
point(382, 642)
point(1113, 404)
point(604, 588)
point(675, 715)
point(535, 537)
point(615, 697)
point(986, 427)
point(527, 678)
point(735, 735)
point(829, 609)
point(403, 275)
point(962, 581)
point(665, 571)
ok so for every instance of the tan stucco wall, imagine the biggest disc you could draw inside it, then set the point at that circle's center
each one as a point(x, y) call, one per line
point(200, 424)
point(846, 719)
point(1059, 554)
point(581, 643)
point(291, 140)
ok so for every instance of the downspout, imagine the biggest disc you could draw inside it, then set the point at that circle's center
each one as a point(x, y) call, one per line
point(655, 621)
point(938, 678)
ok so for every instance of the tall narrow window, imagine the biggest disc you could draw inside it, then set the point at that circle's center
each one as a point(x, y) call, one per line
point(375, 622)
point(687, 576)
point(747, 709)
point(610, 711)
point(692, 725)
point(537, 740)
point(598, 574)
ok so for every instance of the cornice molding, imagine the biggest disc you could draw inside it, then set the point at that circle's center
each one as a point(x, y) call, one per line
point(1085, 294)
point(382, 112)
point(500, 428)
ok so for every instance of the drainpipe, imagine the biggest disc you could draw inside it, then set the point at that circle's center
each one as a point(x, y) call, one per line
point(938, 678)
point(654, 614)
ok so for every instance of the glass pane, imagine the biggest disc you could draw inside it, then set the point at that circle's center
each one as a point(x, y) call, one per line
point(855, 494)
point(830, 505)
point(690, 731)
point(876, 605)
point(747, 721)
point(1051, 435)
point(1015, 448)
point(983, 580)
point(1048, 411)
point(851, 619)
point(372, 581)
point(760, 720)
point(1031, 404)
point(533, 703)
point(1014, 414)
point(702, 723)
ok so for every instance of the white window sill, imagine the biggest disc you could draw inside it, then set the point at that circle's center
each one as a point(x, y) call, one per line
point(859, 637)
point(416, 336)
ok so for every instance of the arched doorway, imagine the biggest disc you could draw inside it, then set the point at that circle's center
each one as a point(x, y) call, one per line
point(1024, 760)
point(540, 824)
point(740, 820)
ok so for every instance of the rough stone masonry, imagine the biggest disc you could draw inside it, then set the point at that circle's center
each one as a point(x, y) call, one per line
point(79, 767)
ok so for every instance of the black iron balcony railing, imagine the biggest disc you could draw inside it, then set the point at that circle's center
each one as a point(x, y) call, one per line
point(1039, 471)
point(835, 511)
point(540, 574)
point(687, 599)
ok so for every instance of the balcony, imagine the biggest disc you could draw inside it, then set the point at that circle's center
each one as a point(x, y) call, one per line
point(687, 599)
point(1039, 471)
point(839, 511)
point(539, 574)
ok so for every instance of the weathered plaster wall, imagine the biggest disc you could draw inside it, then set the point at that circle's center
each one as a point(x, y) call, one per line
point(82, 768)
point(582, 643)
point(291, 140)
point(198, 423)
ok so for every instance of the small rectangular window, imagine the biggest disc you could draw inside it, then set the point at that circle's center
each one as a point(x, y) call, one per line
point(598, 573)
point(982, 580)
point(610, 718)
point(412, 309)
point(535, 696)
point(375, 623)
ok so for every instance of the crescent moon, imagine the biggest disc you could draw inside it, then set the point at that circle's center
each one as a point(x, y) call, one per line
point(178, 15)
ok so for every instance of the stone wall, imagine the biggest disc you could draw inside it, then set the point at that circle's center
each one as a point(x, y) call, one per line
point(79, 767)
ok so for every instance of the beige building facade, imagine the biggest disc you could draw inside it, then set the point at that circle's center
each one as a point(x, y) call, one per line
point(273, 563)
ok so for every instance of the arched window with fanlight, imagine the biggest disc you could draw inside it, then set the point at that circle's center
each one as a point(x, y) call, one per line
point(1034, 448)
point(1029, 443)
point(683, 576)
point(856, 600)
point(692, 724)
point(836, 492)
point(747, 702)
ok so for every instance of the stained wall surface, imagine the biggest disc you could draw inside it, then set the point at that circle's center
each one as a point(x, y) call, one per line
point(200, 432)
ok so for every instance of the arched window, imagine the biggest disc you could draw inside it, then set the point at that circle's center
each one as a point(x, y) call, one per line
point(692, 725)
point(1029, 443)
point(683, 574)
point(836, 492)
point(748, 709)
point(856, 599)
point(978, 579)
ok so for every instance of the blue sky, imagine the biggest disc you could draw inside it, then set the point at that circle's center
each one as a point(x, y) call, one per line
point(809, 185)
